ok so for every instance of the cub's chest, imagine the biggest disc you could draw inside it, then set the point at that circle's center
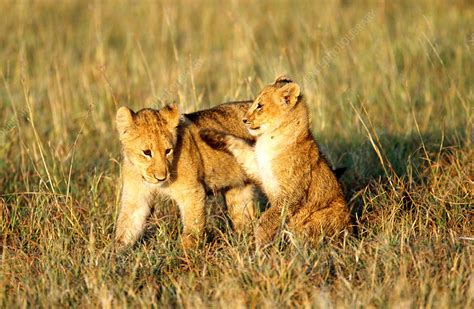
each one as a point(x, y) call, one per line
point(266, 153)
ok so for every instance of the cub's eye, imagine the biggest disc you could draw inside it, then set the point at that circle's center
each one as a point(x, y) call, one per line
point(147, 153)
point(259, 107)
point(168, 151)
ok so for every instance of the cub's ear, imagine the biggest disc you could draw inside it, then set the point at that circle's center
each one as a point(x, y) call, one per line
point(171, 114)
point(124, 120)
point(281, 80)
point(290, 93)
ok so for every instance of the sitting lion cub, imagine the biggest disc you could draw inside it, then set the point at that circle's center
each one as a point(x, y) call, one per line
point(285, 160)
point(163, 153)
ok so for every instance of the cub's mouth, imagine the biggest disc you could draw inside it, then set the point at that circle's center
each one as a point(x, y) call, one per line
point(250, 127)
point(253, 130)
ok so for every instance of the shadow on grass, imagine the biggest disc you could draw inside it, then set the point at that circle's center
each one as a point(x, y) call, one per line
point(403, 158)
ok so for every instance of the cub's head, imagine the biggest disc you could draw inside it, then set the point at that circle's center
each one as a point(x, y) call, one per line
point(148, 138)
point(272, 105)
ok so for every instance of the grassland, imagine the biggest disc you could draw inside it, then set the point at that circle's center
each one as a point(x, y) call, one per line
point(390, 87)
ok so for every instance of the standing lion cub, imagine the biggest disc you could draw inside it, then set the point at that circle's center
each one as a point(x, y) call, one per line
point(285, 160)
point(163, 153)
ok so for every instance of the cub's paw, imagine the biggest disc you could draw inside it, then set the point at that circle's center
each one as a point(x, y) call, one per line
point(125, 237)
point(189, 241)
point(121, 244)
point(262, 236)
point(214, 138)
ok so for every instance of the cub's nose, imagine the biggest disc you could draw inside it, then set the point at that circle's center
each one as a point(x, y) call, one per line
point(245, 120)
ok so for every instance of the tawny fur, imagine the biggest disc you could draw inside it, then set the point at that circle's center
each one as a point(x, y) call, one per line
point(163, 153)
point(285, 161)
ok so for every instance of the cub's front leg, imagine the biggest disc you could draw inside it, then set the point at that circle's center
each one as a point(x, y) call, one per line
point(191, 200)
point(134, 208)
point(239, 148)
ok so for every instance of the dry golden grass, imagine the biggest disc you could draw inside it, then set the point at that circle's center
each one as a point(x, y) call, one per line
point(391, 91)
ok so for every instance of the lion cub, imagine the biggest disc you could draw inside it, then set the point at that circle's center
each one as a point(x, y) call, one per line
point(285, 160)
point(163, 153)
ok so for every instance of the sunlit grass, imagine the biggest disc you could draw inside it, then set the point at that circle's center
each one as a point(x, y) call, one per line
point(392, 102)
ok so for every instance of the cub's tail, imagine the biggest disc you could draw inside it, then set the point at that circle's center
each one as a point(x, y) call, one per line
point(339, 171)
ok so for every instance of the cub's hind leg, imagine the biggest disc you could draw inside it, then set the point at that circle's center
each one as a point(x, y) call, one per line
point(329, 221)
point(241, 206)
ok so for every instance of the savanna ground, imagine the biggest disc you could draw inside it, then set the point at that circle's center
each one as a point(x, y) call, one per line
point(390, 88)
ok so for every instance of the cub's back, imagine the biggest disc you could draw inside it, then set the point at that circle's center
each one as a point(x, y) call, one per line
point(225, 117)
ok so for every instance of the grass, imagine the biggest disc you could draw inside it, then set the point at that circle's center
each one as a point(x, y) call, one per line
point(390, 87)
